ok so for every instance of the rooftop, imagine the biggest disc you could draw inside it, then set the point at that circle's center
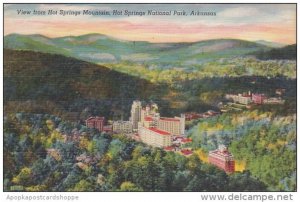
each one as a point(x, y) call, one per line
point(161, 132)
point(224, 153)
point(169, 148)
point(148, 118)
point(120, 121)
point(246, 95)
point(169, 119)
point(186, 152)
point(186, 140)
point(258, 94)
point(95, 117)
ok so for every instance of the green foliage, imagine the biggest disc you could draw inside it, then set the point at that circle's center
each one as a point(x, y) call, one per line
point(119, 164)
point(82, 185)
point(23, 178)
point(287, 53)
point(244, 182)
point(44, 83)
point(129, 186)
point(266, 143)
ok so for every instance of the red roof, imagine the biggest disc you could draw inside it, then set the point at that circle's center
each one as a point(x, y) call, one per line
point(169, 119)
point(185, 140)
point(221, 153)
point(186, 152)
point(161, 132)
point(169, 148)
point(148, 118)
point(258, 95)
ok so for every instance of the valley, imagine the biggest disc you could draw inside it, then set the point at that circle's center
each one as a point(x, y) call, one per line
point(53, 85)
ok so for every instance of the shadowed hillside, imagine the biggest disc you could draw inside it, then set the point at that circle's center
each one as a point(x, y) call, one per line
point(285, 53)
point(43, 82)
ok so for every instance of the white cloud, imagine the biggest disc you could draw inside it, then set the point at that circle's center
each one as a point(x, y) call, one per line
point(240, 12)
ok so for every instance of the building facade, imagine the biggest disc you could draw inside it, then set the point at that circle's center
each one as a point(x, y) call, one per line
point(95, 122)
point(122, 127)
point(155, 137)
point(174, 126)
point(274, 100)
point(239, 98)
point(258, 98)
point(222, 159)
point(135, 114)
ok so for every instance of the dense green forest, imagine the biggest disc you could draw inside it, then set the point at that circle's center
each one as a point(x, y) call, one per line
point(46, 83)
point(232, 67)
point(265, 143)
point(287, 53)
point(117, 163)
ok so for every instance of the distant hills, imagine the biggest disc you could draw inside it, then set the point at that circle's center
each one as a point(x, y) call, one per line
point(287, 52)
point(270, 44)
point(103, 49)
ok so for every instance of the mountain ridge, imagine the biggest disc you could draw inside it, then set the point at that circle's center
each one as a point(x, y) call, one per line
point(102, 49)
point(262, 42)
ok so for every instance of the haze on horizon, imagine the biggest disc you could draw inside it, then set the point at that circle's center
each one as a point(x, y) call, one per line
point(252, 22)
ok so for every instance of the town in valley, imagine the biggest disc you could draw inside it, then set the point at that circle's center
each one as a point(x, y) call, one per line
point(169, 133)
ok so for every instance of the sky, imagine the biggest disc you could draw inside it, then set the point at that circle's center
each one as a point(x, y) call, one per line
point(270, 22)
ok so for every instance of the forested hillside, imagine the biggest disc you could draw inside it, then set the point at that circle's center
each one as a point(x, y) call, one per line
point(261, 142)
point(56, 84)
point(38, 157)
point(284, 53)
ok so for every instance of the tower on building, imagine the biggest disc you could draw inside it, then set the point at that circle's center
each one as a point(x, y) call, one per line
point(136, 114)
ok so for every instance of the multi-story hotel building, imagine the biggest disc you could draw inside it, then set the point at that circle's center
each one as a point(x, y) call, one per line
point(95, 122)
point(150, 115)
point(155, 137)
point(175, 126)
point(240, 98)
point(222, 159)
point(122, 127)
point(135, 114)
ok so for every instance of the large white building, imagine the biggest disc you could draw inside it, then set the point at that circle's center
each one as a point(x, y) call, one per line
point(155, 130)
point(240, 98)
point(174, 126)
point(122, 127)
point(155, 137)
point(135, 114)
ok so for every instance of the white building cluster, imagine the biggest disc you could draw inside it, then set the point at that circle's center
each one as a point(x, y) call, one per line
point(240, 98)
point(152, 128)
point(122, 127)
point(255, 98)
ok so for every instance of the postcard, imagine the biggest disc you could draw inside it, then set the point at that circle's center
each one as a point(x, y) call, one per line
point(149, 98)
